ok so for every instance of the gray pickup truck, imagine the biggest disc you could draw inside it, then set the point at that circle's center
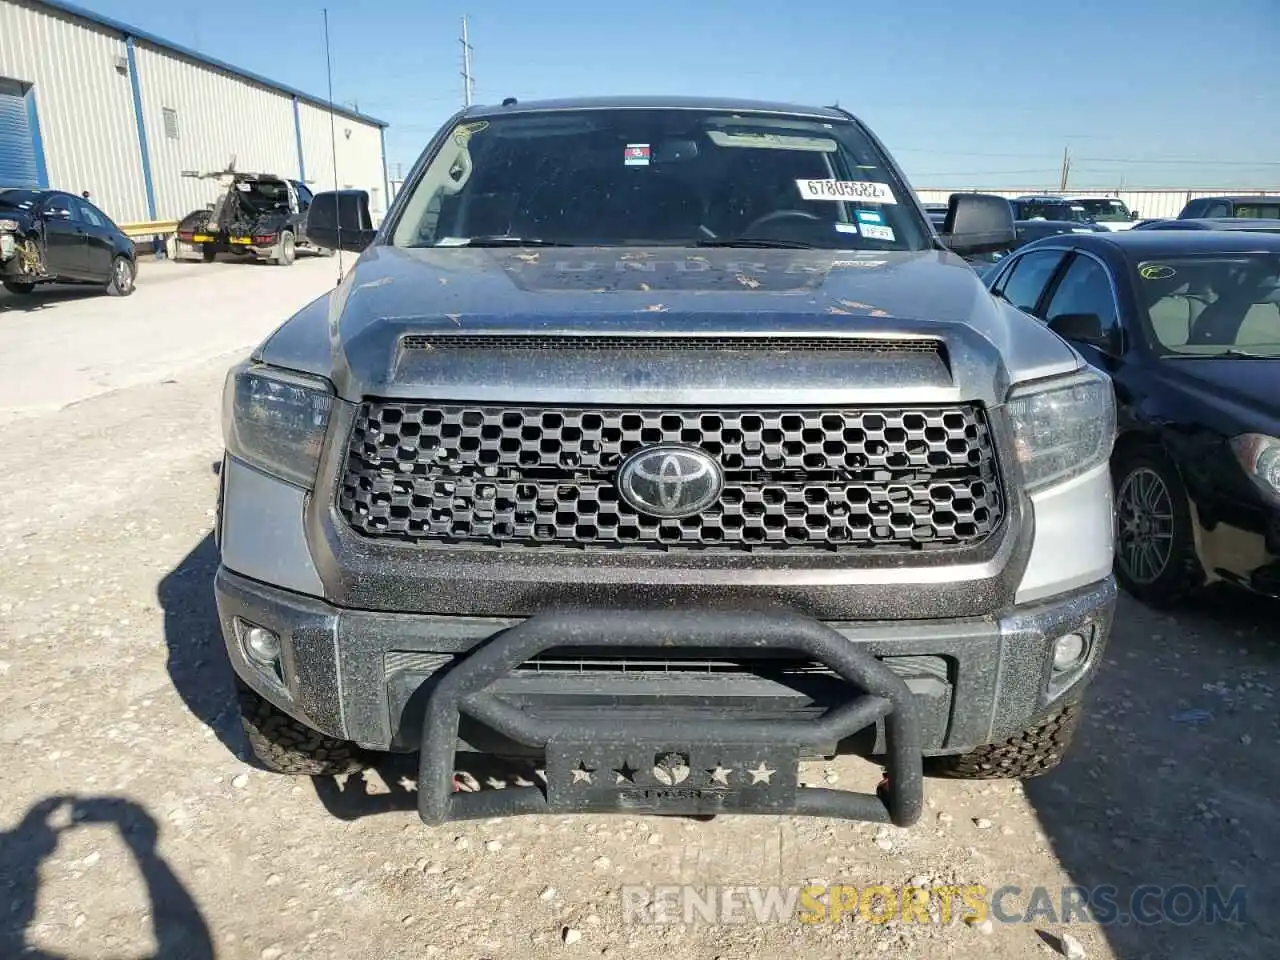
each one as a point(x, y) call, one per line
point(663, 444)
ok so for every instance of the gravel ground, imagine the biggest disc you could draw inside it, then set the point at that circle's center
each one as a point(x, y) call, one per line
point(132, 825)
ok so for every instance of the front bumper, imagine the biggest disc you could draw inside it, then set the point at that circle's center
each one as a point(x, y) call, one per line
point(893, 689)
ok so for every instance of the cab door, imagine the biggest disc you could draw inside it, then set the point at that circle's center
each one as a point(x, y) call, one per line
point(66, 242)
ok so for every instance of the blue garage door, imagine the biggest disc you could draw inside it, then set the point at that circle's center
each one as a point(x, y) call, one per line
point(17, 145)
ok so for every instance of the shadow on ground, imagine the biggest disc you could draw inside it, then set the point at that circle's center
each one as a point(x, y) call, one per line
point(197, 663)
point(47, 297)
point(178, 928)
point(1174, 780)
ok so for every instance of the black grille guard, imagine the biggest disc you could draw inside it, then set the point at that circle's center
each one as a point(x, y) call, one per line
point(875, 692)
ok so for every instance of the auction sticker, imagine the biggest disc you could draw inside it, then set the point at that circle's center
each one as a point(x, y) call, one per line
point(876, 232)
point(637, 155)
point(1156, 271)
point(867, 191)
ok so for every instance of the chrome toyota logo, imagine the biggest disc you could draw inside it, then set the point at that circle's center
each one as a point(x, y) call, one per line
point(670, 481)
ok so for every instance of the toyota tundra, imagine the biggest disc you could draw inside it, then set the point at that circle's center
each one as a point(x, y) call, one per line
point(664, 444)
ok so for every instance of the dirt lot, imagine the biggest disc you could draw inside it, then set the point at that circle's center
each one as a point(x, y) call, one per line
point(131, 824)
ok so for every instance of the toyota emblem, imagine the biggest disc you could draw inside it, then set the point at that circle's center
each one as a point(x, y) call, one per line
point(670, 481)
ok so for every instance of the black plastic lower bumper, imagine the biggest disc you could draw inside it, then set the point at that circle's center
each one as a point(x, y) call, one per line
point(680, 766)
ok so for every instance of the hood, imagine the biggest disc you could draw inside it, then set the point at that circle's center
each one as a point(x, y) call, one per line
point(1244, 388)
point(658, 291)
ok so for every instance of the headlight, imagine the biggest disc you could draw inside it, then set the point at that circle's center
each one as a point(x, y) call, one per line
point(1062, 428)
point(276, 421)
point(1260, 457)
point(9, 225)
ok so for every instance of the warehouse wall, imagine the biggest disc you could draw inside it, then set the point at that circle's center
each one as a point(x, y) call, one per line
point(218, 115)
point(85, 104)
point(359, 155)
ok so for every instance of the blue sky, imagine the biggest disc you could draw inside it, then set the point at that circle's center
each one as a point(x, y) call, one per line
point(971, 93)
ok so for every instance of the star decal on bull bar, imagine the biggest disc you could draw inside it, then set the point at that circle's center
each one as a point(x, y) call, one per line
point(582, 773)
point(625, 773)
point(761, 774)
point(720, 774)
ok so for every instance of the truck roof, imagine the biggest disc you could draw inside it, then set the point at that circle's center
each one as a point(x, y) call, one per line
point(657, 103)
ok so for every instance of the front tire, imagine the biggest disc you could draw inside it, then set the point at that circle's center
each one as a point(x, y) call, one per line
point(1033, 752)
point(285, 745)
point(208, 253)
point(122, 277)
point(19, 286)
point(1156, 558)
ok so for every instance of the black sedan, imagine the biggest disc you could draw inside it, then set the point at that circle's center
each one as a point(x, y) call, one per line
point(1187, 323)
point(1252, 224)
point(48, 235)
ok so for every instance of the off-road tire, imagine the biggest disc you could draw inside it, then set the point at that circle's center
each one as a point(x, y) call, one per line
point(208, 252)
point(1035, 751)
point(283, 745)
point(1183, 575)
point(288, 249)
point(19, 286)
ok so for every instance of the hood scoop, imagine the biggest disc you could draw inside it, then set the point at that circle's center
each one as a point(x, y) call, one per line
point(676, 368)
point(661, 343)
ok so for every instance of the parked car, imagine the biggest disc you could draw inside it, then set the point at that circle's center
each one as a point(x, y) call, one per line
point(653, 435)
point(1187, 324)
point(258, 215)
point(1110, 212)
point(1049, 208)
point(1246, 207)
point(1223, 223)
point(51, 235)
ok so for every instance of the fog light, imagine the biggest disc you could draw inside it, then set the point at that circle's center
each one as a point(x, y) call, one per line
point(1068, 651)
point(263, 645)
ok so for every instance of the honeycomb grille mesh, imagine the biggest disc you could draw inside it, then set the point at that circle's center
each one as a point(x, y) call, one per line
point(872, 478)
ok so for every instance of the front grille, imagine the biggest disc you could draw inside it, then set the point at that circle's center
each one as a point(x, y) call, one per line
point(885, 479)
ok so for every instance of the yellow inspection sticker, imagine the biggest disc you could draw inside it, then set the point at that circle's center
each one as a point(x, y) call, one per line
point(201, 238)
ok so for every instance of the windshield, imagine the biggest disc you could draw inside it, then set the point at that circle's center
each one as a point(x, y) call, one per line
point(263, 195)
point(1104, 211)
point(1259, 211)
point(1213, 305)
point(18, 199)
point(1050, 210)
point(674, 177)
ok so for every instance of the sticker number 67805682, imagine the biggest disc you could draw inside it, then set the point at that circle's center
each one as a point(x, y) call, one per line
point(865, 190)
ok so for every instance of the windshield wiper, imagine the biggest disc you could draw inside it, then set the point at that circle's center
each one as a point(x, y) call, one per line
point(1229, 352)
point(758, 244)
point(505, 241)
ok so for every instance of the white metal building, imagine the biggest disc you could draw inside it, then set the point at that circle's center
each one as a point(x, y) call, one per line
point(88, 103)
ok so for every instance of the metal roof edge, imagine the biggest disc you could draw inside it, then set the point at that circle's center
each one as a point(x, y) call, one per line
point(125, 30)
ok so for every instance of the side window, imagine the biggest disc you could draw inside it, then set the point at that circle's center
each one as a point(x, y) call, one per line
point(90, 215)
point(1084, 288)
point(304, 195)
point(1027, 278)
point(1216, 210)
point(61, 207)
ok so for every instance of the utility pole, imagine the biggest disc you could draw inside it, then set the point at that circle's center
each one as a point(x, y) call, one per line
point(468, 82)
point(1066, 168)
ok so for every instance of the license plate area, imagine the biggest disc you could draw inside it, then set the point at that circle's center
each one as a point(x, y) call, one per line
point(673, 778)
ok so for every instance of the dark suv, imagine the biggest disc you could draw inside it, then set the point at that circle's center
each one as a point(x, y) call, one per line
point(663, 443)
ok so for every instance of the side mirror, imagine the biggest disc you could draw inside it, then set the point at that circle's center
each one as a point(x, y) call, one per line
point(1084, 328)
point(978, 223)
point(339, 220)
point(1133, 214)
